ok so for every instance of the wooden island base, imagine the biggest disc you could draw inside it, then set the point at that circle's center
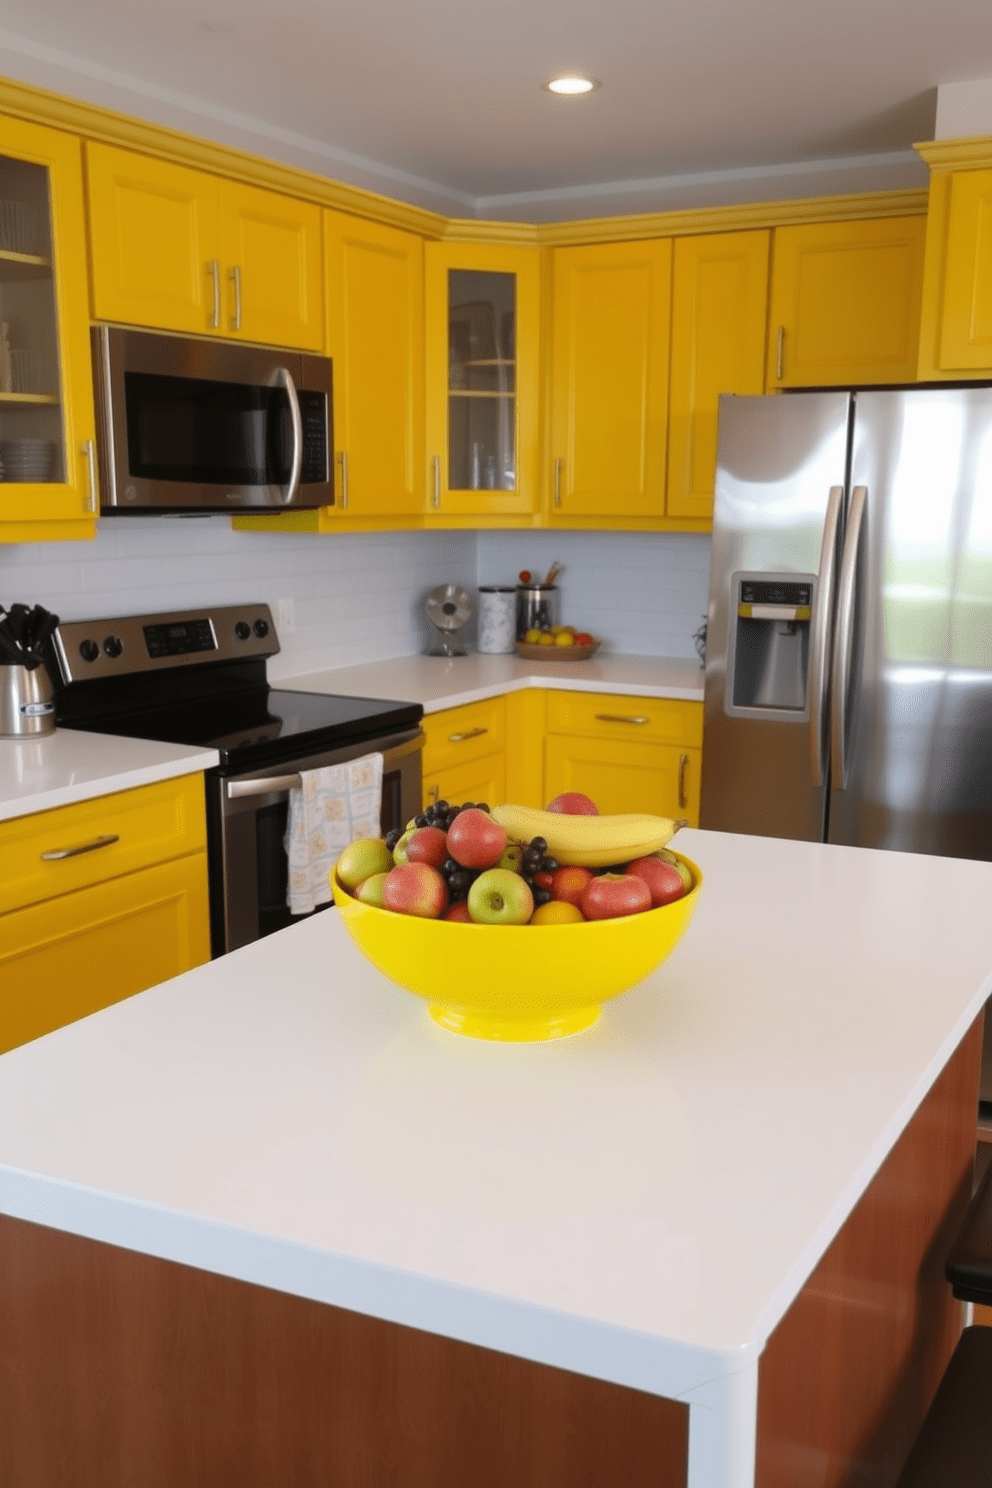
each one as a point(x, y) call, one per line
point(119, 1370)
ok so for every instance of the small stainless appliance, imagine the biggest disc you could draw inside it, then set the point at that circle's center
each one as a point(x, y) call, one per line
point(449, 610)
point(199, 677)
point(188, 424)
point(26, 706)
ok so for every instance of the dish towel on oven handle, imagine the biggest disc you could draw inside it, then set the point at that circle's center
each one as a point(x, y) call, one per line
point(332, 807)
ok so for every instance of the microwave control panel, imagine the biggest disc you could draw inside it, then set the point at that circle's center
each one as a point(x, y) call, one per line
point(315, 468)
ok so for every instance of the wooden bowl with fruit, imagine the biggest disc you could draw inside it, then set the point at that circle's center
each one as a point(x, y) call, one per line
point(513, 923)
point(558, 643)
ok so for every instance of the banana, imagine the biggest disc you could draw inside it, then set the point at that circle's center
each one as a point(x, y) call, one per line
point(588, 841)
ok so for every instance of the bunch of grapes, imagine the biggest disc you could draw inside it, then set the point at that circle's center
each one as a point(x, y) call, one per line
point(537, 867)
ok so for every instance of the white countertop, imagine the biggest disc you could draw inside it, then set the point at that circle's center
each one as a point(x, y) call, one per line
point(439, 682)
point(69, 765)
point(640, 1202)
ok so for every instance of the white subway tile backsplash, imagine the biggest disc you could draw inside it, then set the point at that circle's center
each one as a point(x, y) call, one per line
point(359, 596)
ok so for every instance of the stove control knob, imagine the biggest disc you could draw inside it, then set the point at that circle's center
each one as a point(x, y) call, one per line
point(261, 628)
point(242, 630)
point(113, 646)
point(89, 650)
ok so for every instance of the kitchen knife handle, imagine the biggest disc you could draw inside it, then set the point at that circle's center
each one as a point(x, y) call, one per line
point(558, 465)
point(236, 279)
point(819, 641)
point(780, 358)
point(683, 766)
point(89, 451)
point(213, 269)
point(343, 457)
point(470, 734)
point(844, 643)
point(286, 382)
point(57, 854)
point(436, 470)
point(622, 718)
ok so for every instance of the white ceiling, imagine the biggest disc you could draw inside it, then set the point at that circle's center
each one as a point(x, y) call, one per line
point(439, 101)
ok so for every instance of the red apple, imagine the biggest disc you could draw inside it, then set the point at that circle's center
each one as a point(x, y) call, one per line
point(415, 889)
point(475, 840)
point(573, 803)
point(458, 911)
point(663, 879)
point(568, 884)
point(427, 845)
point(611, 895)
point(500, 897)
point(584, 639)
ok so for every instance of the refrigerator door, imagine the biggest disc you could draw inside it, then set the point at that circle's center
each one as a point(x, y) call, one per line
point(777, 520)
point(912, 712)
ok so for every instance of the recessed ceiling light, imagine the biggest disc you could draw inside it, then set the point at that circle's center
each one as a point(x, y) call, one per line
point(570, 84)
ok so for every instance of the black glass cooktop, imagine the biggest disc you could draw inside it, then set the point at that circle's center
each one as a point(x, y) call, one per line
point(260, 727)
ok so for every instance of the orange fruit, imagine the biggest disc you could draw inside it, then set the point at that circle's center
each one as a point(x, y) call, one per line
point(556, 912)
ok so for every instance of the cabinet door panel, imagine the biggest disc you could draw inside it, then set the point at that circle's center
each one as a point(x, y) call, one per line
point(966, 323)
point(273, 242)
point(66, 958)
point(719, 313)
point(845, 303)
point(375, 320)
point(154, 234)
point(610, 379)
point(624, 777)
point(475, 780)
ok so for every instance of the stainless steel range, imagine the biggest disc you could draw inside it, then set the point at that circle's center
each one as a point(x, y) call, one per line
point(199, 677)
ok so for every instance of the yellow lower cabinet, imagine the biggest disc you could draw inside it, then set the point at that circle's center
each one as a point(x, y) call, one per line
point(482, 780)
point(465, 753)
point(65, 958)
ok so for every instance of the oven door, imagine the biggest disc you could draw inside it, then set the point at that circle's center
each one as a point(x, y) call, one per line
point(247, 817)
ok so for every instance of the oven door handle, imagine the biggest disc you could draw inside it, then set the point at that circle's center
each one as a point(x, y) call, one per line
point(274, 785)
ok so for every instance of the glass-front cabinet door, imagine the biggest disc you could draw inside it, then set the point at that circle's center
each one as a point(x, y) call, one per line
point(47, 452)
point(482, 347)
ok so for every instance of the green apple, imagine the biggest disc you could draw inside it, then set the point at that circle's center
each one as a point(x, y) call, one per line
point(513, 858)
point(369, 891)
point(400, 851)
point(361, 859)
point(500, 897)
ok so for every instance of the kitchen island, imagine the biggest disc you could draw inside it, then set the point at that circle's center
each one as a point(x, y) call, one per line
point(269, 1223)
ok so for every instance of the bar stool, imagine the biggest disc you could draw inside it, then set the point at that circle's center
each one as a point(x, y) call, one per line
point(954, 1447)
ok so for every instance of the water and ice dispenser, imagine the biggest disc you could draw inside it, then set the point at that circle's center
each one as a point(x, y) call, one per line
point(768, 668)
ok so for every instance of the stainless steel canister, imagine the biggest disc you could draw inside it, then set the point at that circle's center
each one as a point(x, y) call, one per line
point(538, 608)
point(497, 618)
point(26, 702)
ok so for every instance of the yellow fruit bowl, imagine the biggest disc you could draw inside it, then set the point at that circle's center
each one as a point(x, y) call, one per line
point(517, 982)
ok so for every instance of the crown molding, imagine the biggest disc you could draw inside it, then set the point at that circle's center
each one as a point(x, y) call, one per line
point(953, 154)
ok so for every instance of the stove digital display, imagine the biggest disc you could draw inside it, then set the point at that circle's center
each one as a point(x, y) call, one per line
point(179, 638)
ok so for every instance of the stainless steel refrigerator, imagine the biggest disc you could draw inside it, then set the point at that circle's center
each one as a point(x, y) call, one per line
point(848, 692)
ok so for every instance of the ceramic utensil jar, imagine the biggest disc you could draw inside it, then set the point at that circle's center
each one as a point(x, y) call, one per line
point(538, 608)
point(497, 618)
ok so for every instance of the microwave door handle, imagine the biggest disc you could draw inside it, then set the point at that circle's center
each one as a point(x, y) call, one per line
point(820, 640)
point(844, 644)
point(284, 380)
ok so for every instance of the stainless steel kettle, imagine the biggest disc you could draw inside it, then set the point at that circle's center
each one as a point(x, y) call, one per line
point(27, 706)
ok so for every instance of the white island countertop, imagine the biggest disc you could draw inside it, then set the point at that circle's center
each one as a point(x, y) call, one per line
point(447, 682)
point(70, 765)
point(641, 1202)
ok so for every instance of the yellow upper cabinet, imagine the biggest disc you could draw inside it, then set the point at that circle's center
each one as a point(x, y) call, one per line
point(719, 316)
point(956, 336)
point(48, 483)
point(845, 303)
point(182, 250)
point(481, 314)
point(609, 379)
point(375, 336)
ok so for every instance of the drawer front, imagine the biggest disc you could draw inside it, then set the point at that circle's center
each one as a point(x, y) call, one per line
point(460, 734)
point(57, 852)
point(604, 715)
point(482, 780)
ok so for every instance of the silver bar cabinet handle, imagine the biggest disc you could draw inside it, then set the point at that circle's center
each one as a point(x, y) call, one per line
point(213, 269)
point(285, 381)
point(819, 641)
point(622, 718)
point(844, 644)
point(683, 766)
point(344, 479)
point(780, 359)
point(236, 279)
point(471, 734)
point(436, 469)
point(89, 451)
point(558, 465)
point(57, 854)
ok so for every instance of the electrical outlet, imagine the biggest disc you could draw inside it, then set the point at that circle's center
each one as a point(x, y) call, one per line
point(287, 617)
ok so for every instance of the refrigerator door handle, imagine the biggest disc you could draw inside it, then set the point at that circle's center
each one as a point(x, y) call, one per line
point(819, 662)
point(844, 646)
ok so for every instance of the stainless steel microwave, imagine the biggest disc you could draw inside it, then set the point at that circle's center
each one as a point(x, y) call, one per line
point(188, 424)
